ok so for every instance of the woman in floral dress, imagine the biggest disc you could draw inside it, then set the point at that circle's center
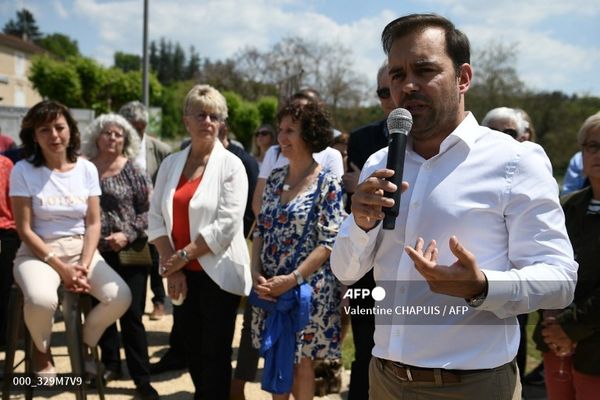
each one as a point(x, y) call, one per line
point(286, 253)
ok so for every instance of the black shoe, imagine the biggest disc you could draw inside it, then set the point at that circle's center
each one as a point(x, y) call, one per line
point(536, 376)
point(112, 375)
point(146, 392)
point(166, 364)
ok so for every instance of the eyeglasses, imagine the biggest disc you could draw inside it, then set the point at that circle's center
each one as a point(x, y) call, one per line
point(263, 133)
point(383, 93)
point(511, 132)
point(116, 134)
point(591, 147)
point(201, 117)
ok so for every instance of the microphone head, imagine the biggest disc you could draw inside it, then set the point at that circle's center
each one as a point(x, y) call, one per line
point(399, 121)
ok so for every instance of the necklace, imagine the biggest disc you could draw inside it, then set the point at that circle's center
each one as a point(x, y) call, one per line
point(287, 187)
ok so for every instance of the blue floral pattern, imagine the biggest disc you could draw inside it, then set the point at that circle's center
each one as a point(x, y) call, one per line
point(281, 227)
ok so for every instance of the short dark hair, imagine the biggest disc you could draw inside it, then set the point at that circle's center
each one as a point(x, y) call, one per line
point(309, 94)
point(44, 112)
point(316, 130)
point(457, 43)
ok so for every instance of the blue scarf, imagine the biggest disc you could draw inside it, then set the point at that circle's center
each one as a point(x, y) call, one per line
point(288, 315)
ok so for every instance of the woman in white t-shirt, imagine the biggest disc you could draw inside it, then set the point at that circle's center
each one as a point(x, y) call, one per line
point(55, 201)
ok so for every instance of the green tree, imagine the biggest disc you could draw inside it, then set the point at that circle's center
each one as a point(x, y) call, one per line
point(495, 79)
point(127, 62)
point(56, 80)
point(193, 66)
point(24, 27)
point(171, 103)
point(267, 108)
point(83, 83)
point(178, 67)
point(62, 46)
point(93, 79)
point(244, 117)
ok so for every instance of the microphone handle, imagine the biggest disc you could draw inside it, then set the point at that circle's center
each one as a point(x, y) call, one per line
point(395, 161)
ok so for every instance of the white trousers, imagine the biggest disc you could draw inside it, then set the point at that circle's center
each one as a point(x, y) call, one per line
point(39, 283)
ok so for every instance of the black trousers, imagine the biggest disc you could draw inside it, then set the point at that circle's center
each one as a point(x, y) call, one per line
point(133, 333)
point(9, 244)
point(522, 352)
point(156, 281)
point(208, 325)
point(363, 327)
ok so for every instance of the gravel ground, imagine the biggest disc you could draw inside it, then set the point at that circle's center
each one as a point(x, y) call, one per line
point(172, 386)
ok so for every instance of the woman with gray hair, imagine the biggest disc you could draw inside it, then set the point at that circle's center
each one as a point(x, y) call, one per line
point(112, 144)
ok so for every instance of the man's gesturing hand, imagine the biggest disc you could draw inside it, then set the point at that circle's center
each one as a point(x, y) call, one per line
point(368, 200)
point(461, 279)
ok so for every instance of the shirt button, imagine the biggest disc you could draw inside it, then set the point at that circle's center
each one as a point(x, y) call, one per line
point(416, 204)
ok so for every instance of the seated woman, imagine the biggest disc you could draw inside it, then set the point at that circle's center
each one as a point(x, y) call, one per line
point(111, 144)
point(570, 339)
point(56, 204)
point(195, 222)
point(299, 219)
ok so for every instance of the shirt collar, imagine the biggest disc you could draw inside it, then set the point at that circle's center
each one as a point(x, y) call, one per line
point(467, 132)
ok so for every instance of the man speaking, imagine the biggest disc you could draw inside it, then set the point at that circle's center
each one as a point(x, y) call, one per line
point(479, 224)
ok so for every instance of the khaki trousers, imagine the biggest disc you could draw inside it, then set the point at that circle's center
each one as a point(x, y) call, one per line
point(500, 383)
point(39, 283)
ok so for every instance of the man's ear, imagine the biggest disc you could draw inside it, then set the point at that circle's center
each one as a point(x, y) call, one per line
point(464, 78)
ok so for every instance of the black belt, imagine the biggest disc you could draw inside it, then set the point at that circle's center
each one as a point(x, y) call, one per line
point(411, 373)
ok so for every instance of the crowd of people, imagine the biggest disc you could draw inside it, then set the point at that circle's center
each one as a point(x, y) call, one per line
point(480, 226)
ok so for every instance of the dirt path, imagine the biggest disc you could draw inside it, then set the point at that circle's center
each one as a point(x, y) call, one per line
point(171, 386)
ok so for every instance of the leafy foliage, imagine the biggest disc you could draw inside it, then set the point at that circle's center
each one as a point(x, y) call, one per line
point(56, 80)
point(59, 45)
point(127, 62)
point(83, 83)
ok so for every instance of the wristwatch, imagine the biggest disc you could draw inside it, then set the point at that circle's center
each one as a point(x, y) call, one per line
point(183, 255)
point(478, 299)
point(299, 277)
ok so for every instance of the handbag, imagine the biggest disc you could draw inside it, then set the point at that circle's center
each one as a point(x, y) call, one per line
point(136, 254)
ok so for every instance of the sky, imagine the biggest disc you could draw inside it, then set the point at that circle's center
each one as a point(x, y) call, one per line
point(557, 41)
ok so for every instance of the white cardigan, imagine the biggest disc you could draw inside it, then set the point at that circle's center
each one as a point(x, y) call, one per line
point(216, 212)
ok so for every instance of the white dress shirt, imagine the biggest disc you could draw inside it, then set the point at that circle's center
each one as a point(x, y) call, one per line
point(330, 159)
point(499, 198)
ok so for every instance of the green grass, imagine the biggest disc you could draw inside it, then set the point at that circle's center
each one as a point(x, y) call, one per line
point(533, 355)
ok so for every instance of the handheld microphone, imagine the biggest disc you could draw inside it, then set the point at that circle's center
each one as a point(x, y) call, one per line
point(399, 123)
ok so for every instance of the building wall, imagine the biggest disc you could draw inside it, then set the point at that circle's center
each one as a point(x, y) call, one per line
point(11, 117)
point(15, 88)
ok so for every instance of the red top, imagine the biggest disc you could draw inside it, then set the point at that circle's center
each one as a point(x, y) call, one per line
point(6, 143)
point(6, 216)
point(181, 218)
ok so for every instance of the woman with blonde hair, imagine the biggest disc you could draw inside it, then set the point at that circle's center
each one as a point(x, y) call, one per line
point(264, 137)
point(196, 215)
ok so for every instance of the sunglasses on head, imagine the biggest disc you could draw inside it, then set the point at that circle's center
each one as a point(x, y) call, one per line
point(383, 93)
